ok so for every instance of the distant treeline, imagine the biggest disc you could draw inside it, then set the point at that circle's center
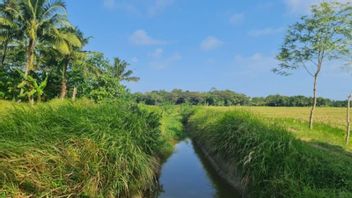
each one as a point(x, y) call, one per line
point(216, 97)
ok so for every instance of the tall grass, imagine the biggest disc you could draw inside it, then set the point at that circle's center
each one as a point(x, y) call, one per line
point(79, 150)
point(269, 159)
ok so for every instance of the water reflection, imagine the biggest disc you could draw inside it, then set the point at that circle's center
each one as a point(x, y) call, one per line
point(187, 174)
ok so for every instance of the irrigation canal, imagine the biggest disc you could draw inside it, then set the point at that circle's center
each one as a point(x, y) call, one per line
point(187, 174)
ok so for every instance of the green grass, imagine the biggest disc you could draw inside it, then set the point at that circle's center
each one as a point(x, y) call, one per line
point(335, 117)
point(80, 149)
point(114, 149)
point(270, 159)
point(329, 127)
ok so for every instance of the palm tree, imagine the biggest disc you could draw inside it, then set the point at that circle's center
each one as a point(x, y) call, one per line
point(72, 40)
point(119, 71)
point(41, 21)
point(9, 26)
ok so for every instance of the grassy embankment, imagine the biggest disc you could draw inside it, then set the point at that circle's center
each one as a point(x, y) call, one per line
point(81, 149)
point(329, 129)
point(269, 155)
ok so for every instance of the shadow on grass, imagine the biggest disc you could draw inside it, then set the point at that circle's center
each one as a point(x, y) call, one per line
point(337, 149)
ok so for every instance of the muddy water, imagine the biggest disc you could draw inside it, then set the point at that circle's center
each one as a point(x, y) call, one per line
point(187, 174)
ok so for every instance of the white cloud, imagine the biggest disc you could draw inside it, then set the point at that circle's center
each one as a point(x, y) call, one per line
point(211, 43)
point(159, 6)
point(157, 53)
point(298, 7)
point(141, 37)
point(110, 4)
point(149, 8)
point(256, 63)
point(237, 18)
point(134, 60)
point(266, 31)
point(162, 62)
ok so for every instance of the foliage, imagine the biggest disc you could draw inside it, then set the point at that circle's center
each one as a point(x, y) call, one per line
point(37, 38)
point(228, 98)
point(79, 150)
point(323, 36)
point(177, 96)
point(31, 87)
point(269, 159)
point(294, 101)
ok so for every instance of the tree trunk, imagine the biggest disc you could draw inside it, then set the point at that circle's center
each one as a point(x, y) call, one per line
point(74, 93)
point(4, 53)
point(312, 111)
point(348, 120)
point(39, 98)
point(30, 60)
point(30, 57)
point(63, 89)
point(31, 100)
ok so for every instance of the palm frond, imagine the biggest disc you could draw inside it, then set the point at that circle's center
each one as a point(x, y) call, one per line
point(52, 8)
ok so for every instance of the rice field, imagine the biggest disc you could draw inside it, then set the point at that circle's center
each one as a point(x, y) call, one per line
point(335, 117)
point(329, 125)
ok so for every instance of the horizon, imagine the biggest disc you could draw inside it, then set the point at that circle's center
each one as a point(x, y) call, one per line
point(251, 97)
point(177, 44)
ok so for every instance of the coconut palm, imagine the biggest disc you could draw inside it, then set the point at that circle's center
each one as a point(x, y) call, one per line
point(41, 21)
point(119, 71)
point(9, 26)
point(72, 42)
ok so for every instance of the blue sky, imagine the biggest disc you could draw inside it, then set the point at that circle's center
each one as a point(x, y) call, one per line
point(200, 44)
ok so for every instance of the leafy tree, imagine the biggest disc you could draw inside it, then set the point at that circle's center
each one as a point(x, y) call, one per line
point(322, 36)
point(103, 80)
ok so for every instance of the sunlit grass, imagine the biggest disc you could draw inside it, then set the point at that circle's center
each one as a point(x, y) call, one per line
point(335, 117)
point(329, 122)
point(82, 149)
point(269, 157)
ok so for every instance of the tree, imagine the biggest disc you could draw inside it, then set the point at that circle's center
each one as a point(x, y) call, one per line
point(32, 88)
point(40, 21)
point(9, 27)
point(41, 56)
point(101, 79)
point(348, 120)
point(322, 36)
point(72, 39)
point(119, 71)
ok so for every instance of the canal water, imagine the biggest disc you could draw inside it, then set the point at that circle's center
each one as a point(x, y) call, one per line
point(187, 174)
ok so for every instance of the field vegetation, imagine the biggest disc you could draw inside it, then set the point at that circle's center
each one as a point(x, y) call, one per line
point(272, 160)
point(330, 127)
point(65, 149)
point(108, 142)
